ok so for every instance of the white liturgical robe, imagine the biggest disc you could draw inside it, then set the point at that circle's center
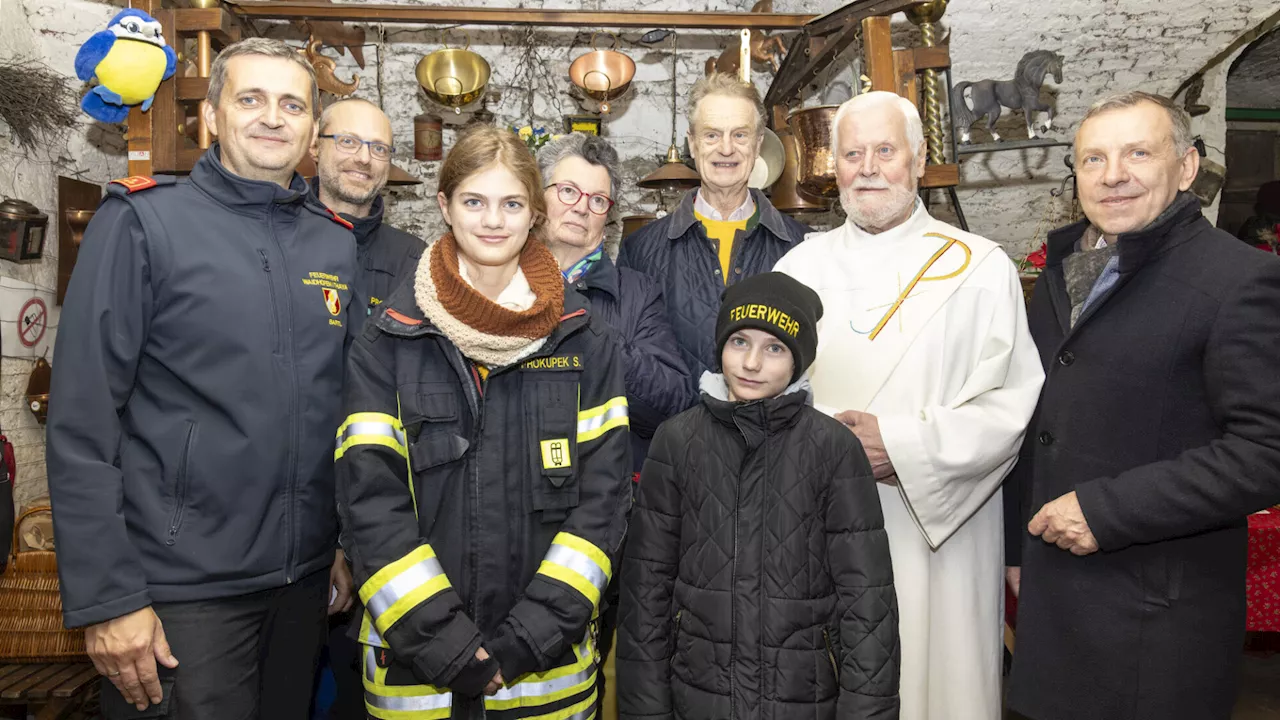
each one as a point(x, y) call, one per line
point(924, 327)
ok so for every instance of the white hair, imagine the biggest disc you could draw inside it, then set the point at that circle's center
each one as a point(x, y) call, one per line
point(880, 98)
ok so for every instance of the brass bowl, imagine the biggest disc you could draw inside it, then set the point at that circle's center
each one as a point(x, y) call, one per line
point(816, 175)
point(603, 75)
point(453, 77)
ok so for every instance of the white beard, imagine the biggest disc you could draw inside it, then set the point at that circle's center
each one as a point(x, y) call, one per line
point(898, 204)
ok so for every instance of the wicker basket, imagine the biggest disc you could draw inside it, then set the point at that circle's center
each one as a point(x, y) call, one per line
point(31, 607)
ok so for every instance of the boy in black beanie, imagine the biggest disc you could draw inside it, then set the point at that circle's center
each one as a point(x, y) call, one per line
point(757, 580)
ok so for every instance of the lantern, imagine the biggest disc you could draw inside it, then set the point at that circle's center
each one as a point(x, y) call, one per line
point(22, 230)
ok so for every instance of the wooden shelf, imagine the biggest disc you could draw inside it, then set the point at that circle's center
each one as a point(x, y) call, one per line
point(940, 176)
point(1003, 145)
point(443, 14)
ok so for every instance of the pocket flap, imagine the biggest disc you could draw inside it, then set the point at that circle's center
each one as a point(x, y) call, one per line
point(436, 449)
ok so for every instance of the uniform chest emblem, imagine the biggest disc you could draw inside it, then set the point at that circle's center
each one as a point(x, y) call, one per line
point(555, 454)
point(332, 300)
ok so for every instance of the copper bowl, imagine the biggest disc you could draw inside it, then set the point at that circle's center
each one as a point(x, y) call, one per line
point(816, 175)
point(603, 75)
point(453, 77)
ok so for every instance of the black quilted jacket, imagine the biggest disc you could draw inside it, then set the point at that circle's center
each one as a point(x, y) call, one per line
point(757, 582)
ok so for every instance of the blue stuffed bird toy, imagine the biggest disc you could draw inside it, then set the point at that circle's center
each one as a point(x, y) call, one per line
point(129, 60)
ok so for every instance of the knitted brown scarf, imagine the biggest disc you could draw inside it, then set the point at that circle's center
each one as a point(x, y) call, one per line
point(483, 330)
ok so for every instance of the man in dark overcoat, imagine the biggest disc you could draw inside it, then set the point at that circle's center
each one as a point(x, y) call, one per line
point(1157, 433)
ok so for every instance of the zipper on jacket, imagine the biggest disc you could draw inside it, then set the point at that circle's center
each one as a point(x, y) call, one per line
point(180, 487)
point(675, 635)
point(831, 654)
point(294, 432)
point(275, 303)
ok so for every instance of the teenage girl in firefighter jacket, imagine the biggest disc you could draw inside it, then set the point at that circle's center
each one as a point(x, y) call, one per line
point(483, 477)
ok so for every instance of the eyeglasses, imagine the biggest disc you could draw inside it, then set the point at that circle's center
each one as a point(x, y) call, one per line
point(597, 203)
point(350, 144)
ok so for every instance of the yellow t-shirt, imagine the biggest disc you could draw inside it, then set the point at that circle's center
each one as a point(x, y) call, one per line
point(723, 232)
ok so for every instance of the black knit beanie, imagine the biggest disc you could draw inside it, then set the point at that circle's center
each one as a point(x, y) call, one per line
point(777, 304)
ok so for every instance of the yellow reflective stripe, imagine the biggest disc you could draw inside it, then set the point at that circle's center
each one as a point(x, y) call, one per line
point(413, 495)
point(369, 634)
point(596, 421)
point(584, 710)
point(533, 689)
point(401, 702)
point(403, 585)
point(579, 564)
point(370, 428)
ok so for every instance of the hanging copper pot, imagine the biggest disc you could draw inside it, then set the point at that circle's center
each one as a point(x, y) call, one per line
point(785, 195)
point(603, 75)
point(816, 175)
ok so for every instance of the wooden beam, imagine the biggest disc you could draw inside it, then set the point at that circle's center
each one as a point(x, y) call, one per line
point(905, 80)
point(192, 88)
point(216, 21)
point(877, 43)
point(800, 68)
point(854, 12)
point(444, 14)
point(937, 57)
point(139, 132)
point(940, 176)
point(164, 109)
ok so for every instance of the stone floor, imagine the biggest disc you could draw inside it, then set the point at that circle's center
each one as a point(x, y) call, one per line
point(1259, 687)
point(1259, 681)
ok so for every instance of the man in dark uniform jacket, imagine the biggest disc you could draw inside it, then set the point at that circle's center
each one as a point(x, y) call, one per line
point(352, 153)
point(191, 468)
point(353, 159)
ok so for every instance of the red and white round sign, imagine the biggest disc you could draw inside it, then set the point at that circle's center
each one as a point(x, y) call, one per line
point(32, 322)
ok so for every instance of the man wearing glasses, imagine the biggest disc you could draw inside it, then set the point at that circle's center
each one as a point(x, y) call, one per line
point(352, 153)
point(353, 159)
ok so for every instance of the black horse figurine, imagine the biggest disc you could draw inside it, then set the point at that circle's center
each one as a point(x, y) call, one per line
point(1020, 93)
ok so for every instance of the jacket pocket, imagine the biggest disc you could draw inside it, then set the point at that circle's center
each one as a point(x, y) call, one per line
point(180, 486)
point(832, 654)
point(552, 425)
point(427, 455)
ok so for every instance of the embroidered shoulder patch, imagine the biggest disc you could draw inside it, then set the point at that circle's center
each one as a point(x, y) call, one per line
point(134, 183)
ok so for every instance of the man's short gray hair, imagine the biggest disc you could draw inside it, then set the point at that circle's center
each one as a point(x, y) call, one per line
point(257, 46)
point(726, 85)
point(592, 148)
point(881, 98)
point(1179, 119)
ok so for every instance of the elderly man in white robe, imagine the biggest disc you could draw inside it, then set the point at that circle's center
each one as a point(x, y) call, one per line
point(925, 355)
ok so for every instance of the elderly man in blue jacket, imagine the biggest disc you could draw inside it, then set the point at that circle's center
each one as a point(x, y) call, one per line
point(723, 231)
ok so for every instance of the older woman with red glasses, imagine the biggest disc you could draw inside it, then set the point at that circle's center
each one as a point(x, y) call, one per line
point(581, 179)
